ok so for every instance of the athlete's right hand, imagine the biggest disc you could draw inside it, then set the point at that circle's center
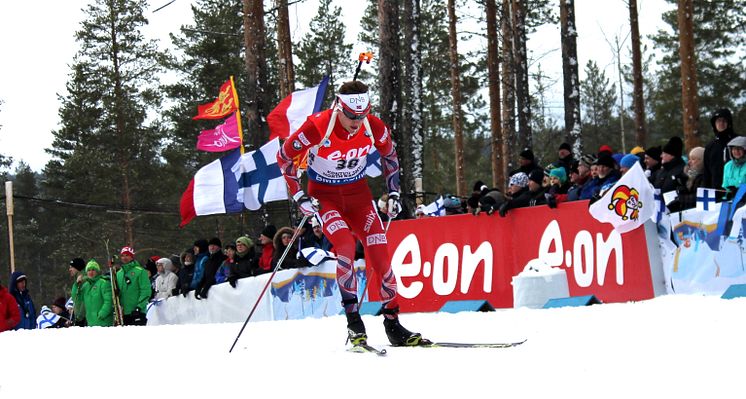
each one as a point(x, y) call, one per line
point(307, 205)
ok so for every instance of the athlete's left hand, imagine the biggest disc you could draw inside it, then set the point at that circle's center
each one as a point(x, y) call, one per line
point(393, 207)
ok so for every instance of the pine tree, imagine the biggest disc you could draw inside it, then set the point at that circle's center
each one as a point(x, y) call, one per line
point(106, 150)
point(323, 50)
point(719, 44)
point(598, 99)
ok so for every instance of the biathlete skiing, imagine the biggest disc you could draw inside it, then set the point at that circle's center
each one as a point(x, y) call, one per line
point(337, 142)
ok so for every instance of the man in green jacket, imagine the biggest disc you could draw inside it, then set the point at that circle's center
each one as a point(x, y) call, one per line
point(96, 295)
point(134, 288)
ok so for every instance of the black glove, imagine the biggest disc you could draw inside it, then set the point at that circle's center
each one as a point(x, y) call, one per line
point(503, 209)
point(393, 206)
point(551, 200)
point(232, 281)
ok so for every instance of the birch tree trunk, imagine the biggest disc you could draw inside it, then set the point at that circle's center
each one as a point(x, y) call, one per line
point(570, 79)
point(456, 97)
point(412, 83)
point(389, 80)
point(689, 98)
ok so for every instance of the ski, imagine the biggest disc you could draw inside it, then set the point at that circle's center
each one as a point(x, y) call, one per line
point(365, 348)
point(495, 345)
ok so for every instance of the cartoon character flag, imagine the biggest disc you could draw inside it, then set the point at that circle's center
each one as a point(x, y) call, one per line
point(628, 204)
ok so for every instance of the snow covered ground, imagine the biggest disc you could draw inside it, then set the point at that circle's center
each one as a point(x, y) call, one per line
point(668, 347)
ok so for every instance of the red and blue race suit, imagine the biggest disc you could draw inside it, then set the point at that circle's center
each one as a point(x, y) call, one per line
point(336, 178)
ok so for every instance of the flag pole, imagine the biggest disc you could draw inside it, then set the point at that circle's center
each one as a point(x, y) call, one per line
point(238, 114)
point(9, 212)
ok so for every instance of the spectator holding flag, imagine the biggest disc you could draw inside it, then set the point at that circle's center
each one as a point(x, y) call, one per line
point(337, 142)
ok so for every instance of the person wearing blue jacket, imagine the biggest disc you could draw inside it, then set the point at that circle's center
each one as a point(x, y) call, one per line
point(23, 299)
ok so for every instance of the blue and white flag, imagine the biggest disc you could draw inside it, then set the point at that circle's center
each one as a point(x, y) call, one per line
point(436, 208)
point(706, 198)
point(374, 168)
point(259, 177)
point(46, 318)
point(316, 255)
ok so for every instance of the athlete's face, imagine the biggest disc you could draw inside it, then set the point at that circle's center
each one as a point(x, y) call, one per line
point(350, 125)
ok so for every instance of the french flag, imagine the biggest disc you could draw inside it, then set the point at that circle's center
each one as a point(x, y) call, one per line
point(294, 109)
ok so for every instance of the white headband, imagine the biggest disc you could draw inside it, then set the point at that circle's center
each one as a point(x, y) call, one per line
point(357, 103)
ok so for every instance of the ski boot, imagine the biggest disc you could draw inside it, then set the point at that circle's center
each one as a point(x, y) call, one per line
point(356, 329)
point(396, 333)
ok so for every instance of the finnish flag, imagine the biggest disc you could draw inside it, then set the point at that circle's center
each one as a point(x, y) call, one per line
point(259, 177)
point(706, 198)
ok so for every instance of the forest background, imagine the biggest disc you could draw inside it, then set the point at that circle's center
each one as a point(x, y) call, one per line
point(453, 78)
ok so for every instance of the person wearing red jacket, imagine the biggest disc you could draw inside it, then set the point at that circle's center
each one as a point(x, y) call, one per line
point(9, 314)
point(337, 142)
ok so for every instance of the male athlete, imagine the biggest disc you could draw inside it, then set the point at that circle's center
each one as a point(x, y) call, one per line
point(337, 141)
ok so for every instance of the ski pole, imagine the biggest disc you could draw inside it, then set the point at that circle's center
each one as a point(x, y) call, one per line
point(269, 280)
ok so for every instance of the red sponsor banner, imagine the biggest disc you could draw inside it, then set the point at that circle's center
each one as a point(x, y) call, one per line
point(468, 257)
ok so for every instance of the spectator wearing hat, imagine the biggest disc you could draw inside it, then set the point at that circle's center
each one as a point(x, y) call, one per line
point(165, 281)
point(652, 163)
point(134, 289)
point(671, 175)
point(453, 205)
point(527, 162)
point(201, 253)
point(263, 262)
point(605, 150)
point(59, 307)
point(75, 268)
point(627, 162)
point(687, 197)
point(531, 197)
point(558, 183)
point(214, 260)
point(734, 173)
point(716, 151)
point(565, 159)
point(606, 177)
point(517, 185)
point(97, 296)
point(10, 316)
point(19, 290)
point(244, 260)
